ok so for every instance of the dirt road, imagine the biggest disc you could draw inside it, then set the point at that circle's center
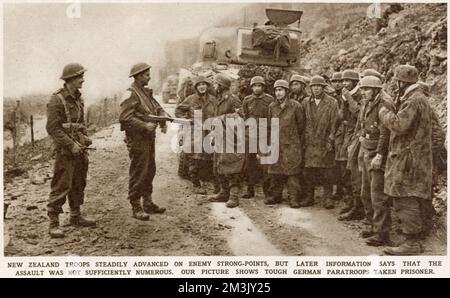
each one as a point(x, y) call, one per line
point(190, 226)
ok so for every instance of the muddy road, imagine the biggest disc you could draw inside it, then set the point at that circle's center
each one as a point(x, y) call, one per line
point(190, 226)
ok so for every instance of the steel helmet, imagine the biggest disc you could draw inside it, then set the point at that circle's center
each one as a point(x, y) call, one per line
point(223, 80)
point(257, 80)
point(72, 70)
point(299, 78)
point(349, 74)
point(370, 81)
point(406, 73)
point(281, 83)
point(200, 79)
point(318, 80)
point(372, 72)
point(337, 76)
point(138, 68)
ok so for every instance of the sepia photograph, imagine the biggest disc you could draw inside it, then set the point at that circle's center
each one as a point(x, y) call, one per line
point(224, 129)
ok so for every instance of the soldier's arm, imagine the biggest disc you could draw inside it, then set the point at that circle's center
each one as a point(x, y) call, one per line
point(300, 117)
point(437, 133)
point(237, 103)
point(127, 115)
point(333, 120)
point(245, 110)
point(183, 109)
point(54, 128)
point(401, 121)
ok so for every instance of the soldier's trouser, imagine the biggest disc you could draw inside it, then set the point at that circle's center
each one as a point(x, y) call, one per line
point(292, 182)
point(194, 170)
point(69, 181)
point(230, 183)
point(356, 177)
point(408, 210)
point(318, 176)
point(376, 203)
point(142, 170)
point(255, 172)
point(342, 178)
point(428, 212)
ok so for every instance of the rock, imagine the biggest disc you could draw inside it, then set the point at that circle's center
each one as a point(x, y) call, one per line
point(342, 52)
point(37, 179)
point(32, 207)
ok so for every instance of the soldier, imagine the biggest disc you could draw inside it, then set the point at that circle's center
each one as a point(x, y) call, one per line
point(374, 139)
point(227, 103)
point(297, 86)
point(137, 104)
point(372, 72)
point(408, 177)
point(321, 115)
point(256, 106)
point(342, 174)
point(200, 100)
point(351, 96)
point(288, 168)
point(66, 126)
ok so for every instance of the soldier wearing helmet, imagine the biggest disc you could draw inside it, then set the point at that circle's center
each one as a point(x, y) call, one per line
point(408, 176)
point(342, 174)
point(203, 103)
point(137, 103)
point(321, 116)
point(66, 126)
point(374, 140)
point(297, 85)
point(256, 106)
point(288, 168)
point(351, 97)
point(226, 103)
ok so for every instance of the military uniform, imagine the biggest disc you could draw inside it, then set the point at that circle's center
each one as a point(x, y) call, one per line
point(299, 97)
point(408, 177)
point(256, 107)
point(230, 181)
point(320, 130)
point(70, 171)
point(351, 142)
point(374, 140)
point(288, 168)
point(206, 103)
point(137, 103)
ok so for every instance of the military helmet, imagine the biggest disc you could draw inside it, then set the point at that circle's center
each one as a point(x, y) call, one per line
point(72, 70)
point(406, 73)
point(349, 74)
point(138, 68)
point(257, 80)
point(372, 72)
point(337, 76)
point(200, 79)
point(318, 80)
point(299, 78)
point(281, 83)
point(370, 81)
point(223, 80)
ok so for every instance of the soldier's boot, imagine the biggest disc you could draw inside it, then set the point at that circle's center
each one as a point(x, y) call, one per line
point(367, 232)
point(250, 192)
point(77, 220)
point(329, 203)
point(54, 230)
point(328, 194)
point(138, 212)
point(379, 239)
point(151, 208)
point(233, 200)
point(410, 247)
point(308, 199)
point(197, 188)
point(223, 194)
point(272, 199)
point(294, 202)
point(356, 213)
point(347, 206)
point(216, 185)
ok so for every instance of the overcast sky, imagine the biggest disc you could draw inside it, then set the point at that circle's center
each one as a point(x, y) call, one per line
point(39, 39)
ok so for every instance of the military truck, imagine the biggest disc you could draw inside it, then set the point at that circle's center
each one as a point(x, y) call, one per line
point(272, 50)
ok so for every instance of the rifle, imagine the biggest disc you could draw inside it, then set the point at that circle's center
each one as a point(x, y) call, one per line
point(162, 119)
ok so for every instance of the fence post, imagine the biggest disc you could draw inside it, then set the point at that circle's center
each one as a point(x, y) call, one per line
point(15, 131)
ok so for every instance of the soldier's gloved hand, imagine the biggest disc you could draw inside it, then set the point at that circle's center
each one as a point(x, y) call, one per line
point(151, 126)
point(376, 162)
point(76, 149)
